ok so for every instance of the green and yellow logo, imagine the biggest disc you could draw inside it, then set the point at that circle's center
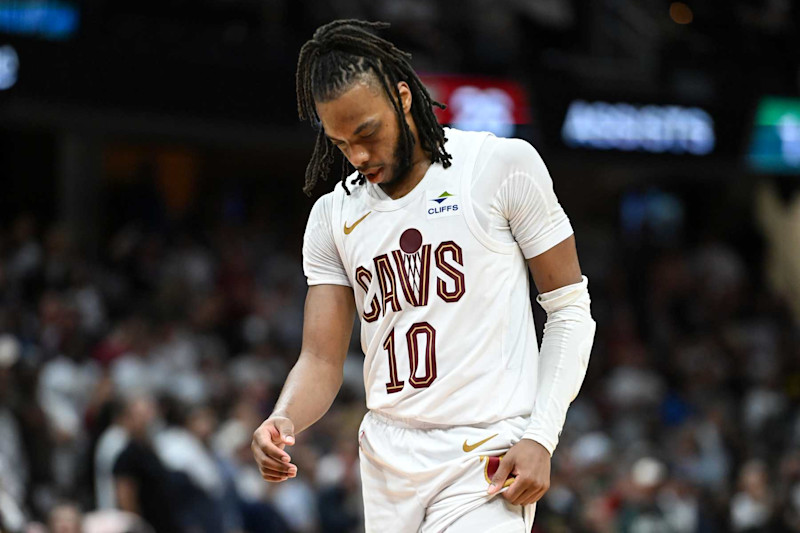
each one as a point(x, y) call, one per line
point(442, 197)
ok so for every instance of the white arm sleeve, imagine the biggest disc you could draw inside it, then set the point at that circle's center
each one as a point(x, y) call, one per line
point(322, 264)
point(514, 198)
point(563, 360)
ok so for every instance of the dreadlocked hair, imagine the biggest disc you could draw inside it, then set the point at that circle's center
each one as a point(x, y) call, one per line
point(343, 52)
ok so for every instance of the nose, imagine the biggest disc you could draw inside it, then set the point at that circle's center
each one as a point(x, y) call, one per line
point(358, 156)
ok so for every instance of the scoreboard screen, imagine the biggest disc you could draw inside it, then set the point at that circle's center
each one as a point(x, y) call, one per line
point(479, 103)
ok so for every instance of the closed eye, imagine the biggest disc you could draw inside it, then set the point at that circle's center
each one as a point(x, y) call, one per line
point(372, 132)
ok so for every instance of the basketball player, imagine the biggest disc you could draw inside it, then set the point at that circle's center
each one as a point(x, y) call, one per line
point(430, 242)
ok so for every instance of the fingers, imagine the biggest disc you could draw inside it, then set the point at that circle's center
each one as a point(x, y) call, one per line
point(272, 469)
point(265, 451)
point(519, 496)
point(525, 491)
point(273, 479)
point(271, 464)
point(499, 477)
point(275, 475)
point(269, 449)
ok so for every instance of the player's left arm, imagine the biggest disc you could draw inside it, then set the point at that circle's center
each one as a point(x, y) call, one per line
point(563, 359)
point(542, 230)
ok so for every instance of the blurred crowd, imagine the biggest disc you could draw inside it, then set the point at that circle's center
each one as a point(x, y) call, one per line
point(131, 383)
point(134, 383)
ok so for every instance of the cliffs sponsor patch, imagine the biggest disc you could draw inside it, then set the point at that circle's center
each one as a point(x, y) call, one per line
point(442, 204)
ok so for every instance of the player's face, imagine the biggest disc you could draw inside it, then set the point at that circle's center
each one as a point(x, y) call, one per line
point(362, 123)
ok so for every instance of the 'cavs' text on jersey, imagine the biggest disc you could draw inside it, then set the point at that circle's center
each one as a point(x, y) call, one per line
point(407, 269)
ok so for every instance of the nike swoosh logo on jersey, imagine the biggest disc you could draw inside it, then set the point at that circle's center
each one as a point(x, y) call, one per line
point(347, 229)
point(470, 447)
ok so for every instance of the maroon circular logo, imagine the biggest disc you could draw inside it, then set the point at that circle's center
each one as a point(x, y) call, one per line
point(410, 240)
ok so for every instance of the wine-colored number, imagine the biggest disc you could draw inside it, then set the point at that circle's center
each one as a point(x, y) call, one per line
point(394, 385)
point(420, 331)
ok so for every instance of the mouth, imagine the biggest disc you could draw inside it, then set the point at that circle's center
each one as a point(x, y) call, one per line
point(375, 175)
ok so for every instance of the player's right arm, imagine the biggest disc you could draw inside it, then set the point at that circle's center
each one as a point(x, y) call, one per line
point(328, 323)
point(314, 381)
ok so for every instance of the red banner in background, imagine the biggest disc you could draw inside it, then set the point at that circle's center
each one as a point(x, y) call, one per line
point(479, 103)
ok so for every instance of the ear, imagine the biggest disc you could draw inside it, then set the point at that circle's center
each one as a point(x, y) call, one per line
point(405, 96)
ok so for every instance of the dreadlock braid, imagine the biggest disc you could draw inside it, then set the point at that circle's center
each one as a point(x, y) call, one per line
point(341, 53)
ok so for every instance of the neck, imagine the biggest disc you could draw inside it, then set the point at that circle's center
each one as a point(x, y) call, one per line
point(420, 162)
point(409, 181)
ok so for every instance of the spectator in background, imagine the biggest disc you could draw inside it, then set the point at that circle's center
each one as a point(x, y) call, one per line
point(26, 256)
point(789, 485)
point(752, 507)
point(640, 514)
point(114, 521)
point(338, 480)
point(109, 446)
point(683, 508)
point(185, 449)
point(142, 483)
point(13, 460)
point(65, 517)
point(66, 386)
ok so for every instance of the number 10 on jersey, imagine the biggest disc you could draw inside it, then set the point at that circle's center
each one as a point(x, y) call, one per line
point(420, 333)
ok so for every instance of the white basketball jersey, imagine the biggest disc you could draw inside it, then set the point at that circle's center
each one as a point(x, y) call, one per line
point(446, 321)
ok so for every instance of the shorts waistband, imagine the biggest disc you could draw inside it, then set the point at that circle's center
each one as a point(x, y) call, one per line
point(408, 423)
point(411, 423)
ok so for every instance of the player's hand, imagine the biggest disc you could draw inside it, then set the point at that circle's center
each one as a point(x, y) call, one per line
point(269, 441)
point(529, 462)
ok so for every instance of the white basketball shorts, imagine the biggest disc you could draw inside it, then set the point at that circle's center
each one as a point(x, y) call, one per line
point(422, 478)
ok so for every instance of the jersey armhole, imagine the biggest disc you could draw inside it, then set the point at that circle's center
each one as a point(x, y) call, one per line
point(469, 211)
